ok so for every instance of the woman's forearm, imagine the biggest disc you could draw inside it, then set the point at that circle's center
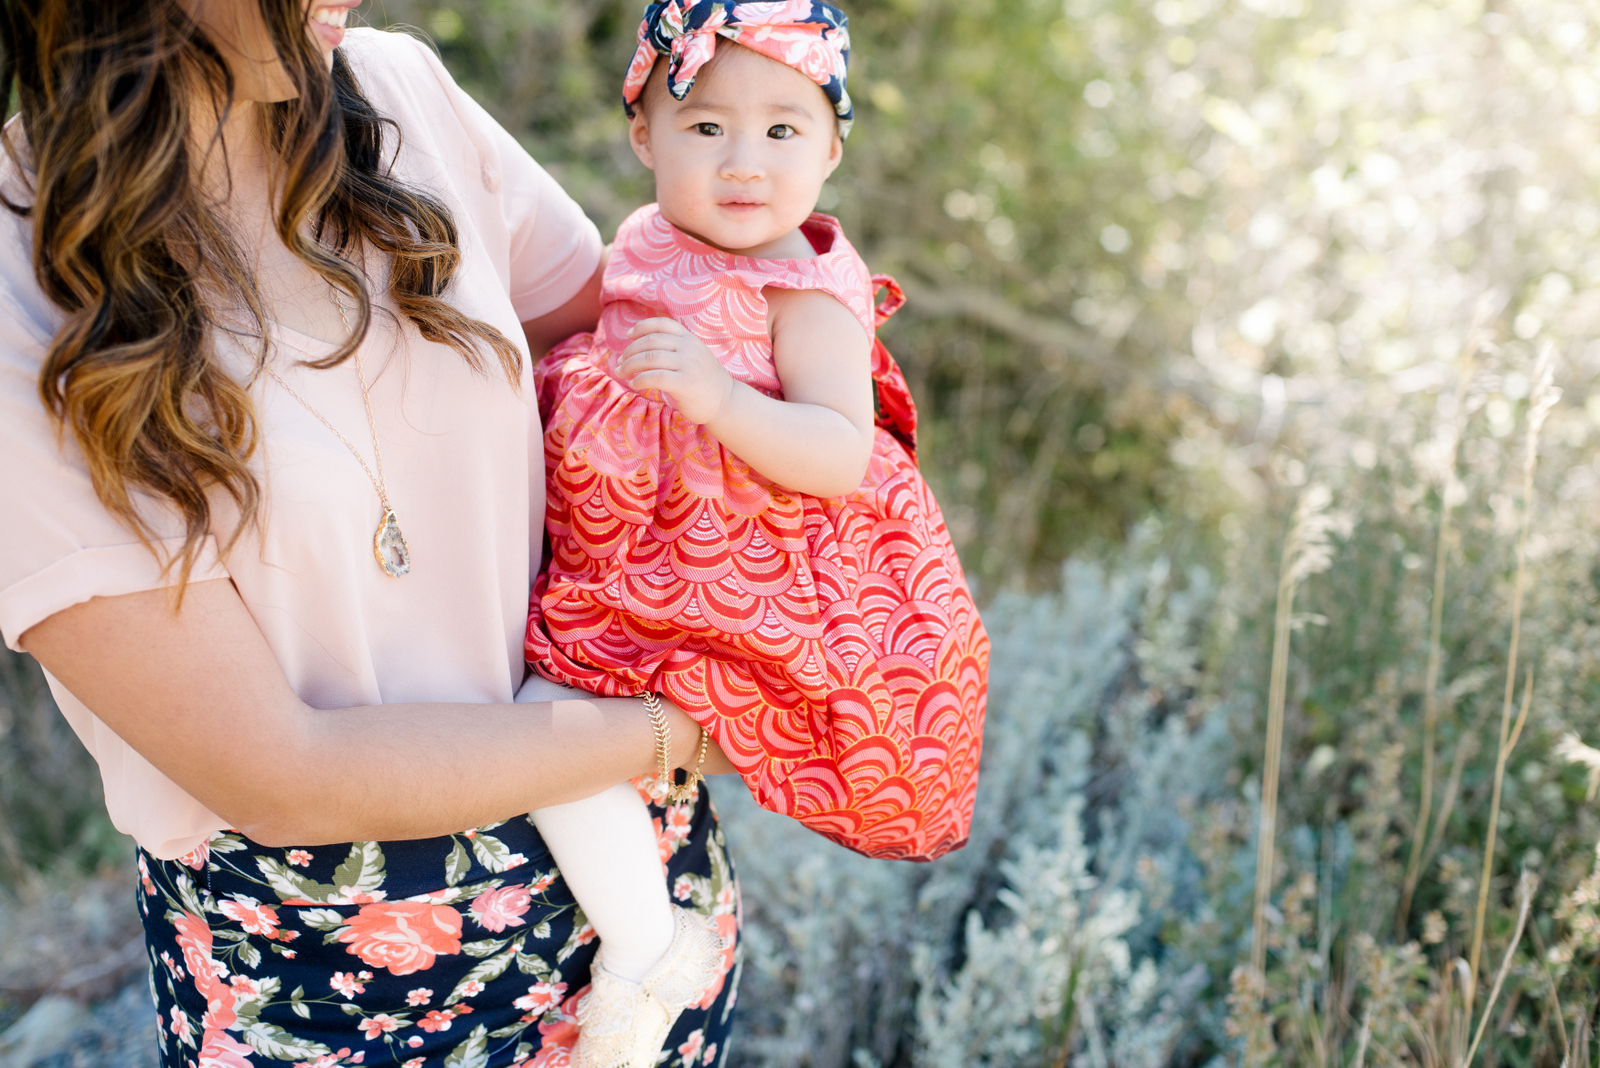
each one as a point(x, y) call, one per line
point(199, 693)
point(420, 770)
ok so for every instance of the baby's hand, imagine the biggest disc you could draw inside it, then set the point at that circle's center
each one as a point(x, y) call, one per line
point(664, 355)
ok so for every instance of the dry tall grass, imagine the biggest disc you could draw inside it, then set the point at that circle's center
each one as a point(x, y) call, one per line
point(1449, 490)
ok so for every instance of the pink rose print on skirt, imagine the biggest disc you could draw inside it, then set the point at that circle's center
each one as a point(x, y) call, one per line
point(403, 936)
point(541, 997)
point(495, 910)
point(222, 1050)
point(195, 939)
point(558, 1033)
point(252, 915)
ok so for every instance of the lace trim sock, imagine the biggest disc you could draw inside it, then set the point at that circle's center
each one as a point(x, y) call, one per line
point(623, 1024)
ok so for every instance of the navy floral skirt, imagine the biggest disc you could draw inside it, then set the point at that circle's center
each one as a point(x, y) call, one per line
point(466, 951)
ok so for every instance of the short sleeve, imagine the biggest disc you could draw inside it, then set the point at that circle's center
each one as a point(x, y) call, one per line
point(551, 247)
point(58, 544)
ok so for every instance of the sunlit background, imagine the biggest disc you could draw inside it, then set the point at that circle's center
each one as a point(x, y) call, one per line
point(1179, 273)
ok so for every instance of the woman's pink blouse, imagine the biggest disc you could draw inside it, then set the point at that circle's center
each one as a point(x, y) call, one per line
point(460, 457)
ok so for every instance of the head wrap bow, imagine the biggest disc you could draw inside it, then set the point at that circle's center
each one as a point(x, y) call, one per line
point(811, 36)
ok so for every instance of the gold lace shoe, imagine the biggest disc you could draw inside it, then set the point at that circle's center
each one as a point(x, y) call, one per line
point(623, 1024)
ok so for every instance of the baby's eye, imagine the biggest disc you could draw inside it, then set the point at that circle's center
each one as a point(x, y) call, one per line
point(707, 129)
point(781, 132)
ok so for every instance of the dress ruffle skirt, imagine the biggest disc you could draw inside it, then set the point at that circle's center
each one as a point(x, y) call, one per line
point(830, 647)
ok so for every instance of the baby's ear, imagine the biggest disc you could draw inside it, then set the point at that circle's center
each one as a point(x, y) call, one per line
point(835, 151)
point(639, 136)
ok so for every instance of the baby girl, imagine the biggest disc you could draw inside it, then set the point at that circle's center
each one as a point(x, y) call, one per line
point(735, 512)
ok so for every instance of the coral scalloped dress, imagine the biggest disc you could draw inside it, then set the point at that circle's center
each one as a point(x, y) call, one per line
point(830, 646)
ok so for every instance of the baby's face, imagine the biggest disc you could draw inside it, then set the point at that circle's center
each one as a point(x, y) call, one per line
point(740, 161)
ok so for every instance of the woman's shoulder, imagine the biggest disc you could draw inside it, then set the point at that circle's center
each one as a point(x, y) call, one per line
point(443, 140)
point(406, 83)
point(382, 57)
point(399, 75)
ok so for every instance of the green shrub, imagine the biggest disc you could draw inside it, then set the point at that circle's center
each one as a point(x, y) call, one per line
point(52, 811)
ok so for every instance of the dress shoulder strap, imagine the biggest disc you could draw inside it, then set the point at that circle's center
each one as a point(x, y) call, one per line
point(841, 272)
point(894, 410)
point(837, 269)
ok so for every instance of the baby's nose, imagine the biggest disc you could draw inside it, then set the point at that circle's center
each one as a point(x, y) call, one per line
point(742, 164)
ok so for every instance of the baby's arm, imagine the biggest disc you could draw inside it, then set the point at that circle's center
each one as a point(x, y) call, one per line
point(818, 439)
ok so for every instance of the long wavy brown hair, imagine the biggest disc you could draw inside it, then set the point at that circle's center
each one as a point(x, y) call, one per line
point(125, 241)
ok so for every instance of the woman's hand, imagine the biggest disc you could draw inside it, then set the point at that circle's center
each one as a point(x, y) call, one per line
point(665, 356)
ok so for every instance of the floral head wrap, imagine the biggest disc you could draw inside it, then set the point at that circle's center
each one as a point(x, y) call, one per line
point(811, 36)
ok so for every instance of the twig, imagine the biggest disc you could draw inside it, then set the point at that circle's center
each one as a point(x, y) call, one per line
point(1069, 344)
point(1542, 398)
point(1555, 1000)
point(1528, 883)
point(1466, 748)
point(1306, 551)
point(1448, 484)
point(1508, 742)
point(1276, 698)
point(1363, 1038)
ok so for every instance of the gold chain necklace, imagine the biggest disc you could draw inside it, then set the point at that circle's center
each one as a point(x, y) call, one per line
point(388, 544)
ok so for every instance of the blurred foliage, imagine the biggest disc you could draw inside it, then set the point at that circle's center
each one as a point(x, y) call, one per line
point(52, 811)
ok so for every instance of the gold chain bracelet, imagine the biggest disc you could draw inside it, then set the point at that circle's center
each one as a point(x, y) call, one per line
point(676, 792)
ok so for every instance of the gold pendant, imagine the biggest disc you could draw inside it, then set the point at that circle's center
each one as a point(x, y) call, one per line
point(389, 546)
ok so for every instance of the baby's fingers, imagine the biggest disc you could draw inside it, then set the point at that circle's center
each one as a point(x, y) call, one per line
point(663, 379)
point(657, 325)
point(634, 359)
point(657, 342)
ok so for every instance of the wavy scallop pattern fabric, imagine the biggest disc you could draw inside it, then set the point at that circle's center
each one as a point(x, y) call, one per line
point(831, 647)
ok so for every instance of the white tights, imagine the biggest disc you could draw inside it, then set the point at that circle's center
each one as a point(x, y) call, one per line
point(605, 846)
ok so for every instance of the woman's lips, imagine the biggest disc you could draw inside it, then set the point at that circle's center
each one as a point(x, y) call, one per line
point(328, 22)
